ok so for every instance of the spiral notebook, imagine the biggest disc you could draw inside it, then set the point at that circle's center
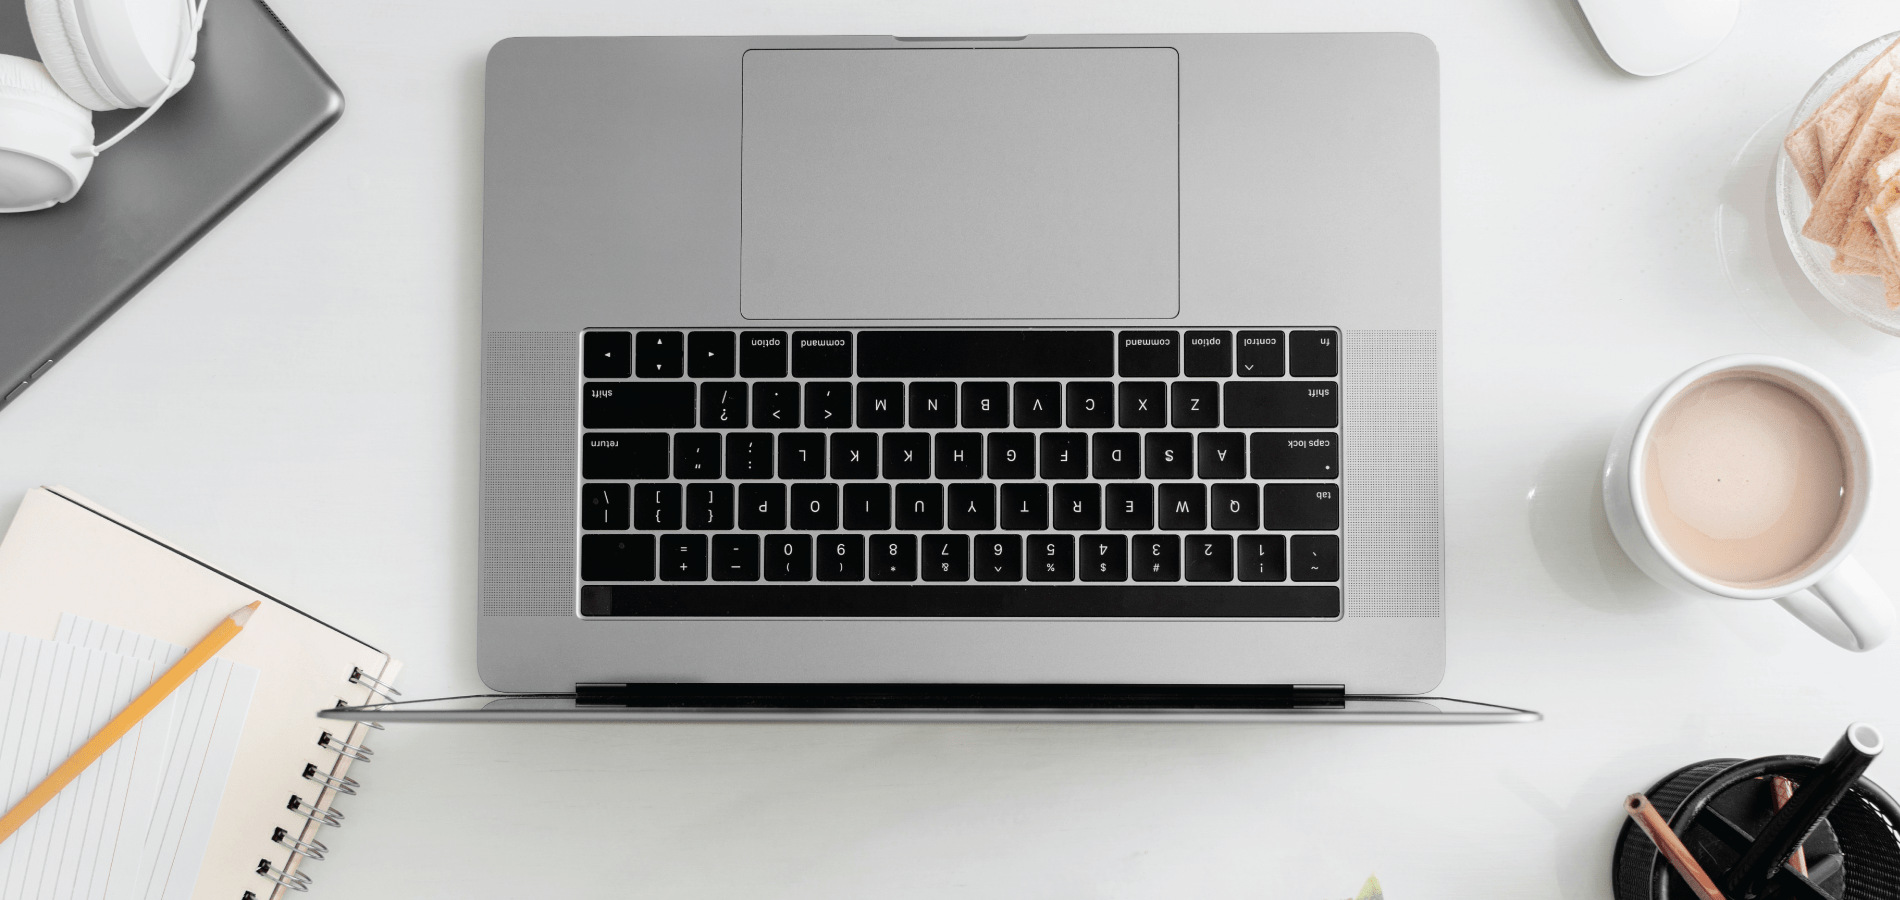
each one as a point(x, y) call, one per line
point(79, 580)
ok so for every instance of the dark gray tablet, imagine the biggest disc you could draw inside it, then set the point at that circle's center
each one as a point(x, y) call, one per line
point(256, 101)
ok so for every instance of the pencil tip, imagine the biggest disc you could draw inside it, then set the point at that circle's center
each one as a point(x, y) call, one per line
point(244, 615)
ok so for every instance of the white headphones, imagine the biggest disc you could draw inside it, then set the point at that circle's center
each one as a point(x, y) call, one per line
point(94, 55)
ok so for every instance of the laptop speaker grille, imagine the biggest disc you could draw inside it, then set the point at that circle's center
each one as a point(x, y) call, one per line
point(1394, 551)
point(528, 498)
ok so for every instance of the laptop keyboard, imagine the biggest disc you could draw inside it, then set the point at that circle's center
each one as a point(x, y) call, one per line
point(960, 472)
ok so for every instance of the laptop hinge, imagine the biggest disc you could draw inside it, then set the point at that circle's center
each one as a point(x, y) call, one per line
point(853, 696)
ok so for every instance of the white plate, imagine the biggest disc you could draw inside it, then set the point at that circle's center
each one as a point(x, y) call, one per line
point(1860, 296)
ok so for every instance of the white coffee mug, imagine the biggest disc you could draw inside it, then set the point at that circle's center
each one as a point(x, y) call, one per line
point(1832, 593)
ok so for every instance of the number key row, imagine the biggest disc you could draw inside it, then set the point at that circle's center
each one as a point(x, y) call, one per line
point(1230, 506)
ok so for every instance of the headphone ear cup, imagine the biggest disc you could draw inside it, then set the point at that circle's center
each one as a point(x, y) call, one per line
point(40, 127)
point(55, 27)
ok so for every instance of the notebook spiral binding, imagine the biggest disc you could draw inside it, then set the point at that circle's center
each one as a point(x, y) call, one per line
point(296, 881)
point(311, 848)
point(363, 678)
point(343, 785)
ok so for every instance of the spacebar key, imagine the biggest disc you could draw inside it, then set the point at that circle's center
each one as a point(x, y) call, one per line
point(1025, 353)
point(1282, 404)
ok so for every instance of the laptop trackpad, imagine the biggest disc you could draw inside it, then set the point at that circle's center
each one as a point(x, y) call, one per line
point(961, 184)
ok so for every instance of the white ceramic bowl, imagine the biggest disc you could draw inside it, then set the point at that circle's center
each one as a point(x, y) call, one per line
point(1860, 296)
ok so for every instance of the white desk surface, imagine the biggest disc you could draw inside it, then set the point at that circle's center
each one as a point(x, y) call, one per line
point(296, 398)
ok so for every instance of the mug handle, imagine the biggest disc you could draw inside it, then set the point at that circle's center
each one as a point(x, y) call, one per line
point(1846, 607)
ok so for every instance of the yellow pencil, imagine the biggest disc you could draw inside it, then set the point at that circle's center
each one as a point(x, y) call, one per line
point(123, 722)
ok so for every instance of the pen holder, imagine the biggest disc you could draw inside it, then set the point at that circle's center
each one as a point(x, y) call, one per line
point(1717, 807)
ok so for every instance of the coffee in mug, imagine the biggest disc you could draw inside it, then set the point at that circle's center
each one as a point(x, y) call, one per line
point(1745, 480)
point(1748, 478)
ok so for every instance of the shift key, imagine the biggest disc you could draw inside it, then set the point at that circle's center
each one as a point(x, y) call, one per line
point(1281, 404)
point(637, 404)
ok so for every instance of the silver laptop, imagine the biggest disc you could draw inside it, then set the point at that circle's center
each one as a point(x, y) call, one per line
point(1069, 363)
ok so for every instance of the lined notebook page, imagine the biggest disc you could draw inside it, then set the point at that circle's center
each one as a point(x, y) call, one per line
point(211, 708)
point(64, 554)
point(89, 841)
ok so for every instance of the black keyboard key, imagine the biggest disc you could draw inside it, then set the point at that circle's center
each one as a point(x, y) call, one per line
point(1170, 454)
point(854, 455)
point(880, 404)
point(945, 557)
point(656, 507)
point(709, 507)
point(722, 404)
point(1038, 404)
point(841, 557)
point(814, 507)
point(1025, 507)
point(1065, 455)
point(1315, 557)
point(775, 404)
point(735, 557)
point(787, 557)
point(906, 456)
point(1209, 557)
point(659, 354)
point(1261, 354)
point(1024, 353)
point(959, 455)
point(623, 456)
point(604, 507)
point(985, 404)
point(893, 557)
point(1221, 455)
point(710, 354)
point(607, 354)
point(1313, 354)
point(1182, 507)
point(801, 455)
point(1117, 455)
point(999, 557)
point(617, 557)
point(1129, 507)
point(920, 507)
point(1104, 557)
point(867, 507)
point(828, 404)
point(933, 404)
point(1078, 507)
point(1234, 507)
point(695, 455)
point(761, 507)
point(1300, 507)
point(1012, 455)
point(1051, 557)
point(682, 557)
point(762, 354)
point(1194, 404)
point(1261, 557)
point(1295, 455)
point(1157, 557)
point(1150, 354)
point(1208, 354)
point(623, 404)
point(1282, 404)
point(748, 455)
point(821, 354)
point(972, 507)
point(1144, 404)
point(1091, 404)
